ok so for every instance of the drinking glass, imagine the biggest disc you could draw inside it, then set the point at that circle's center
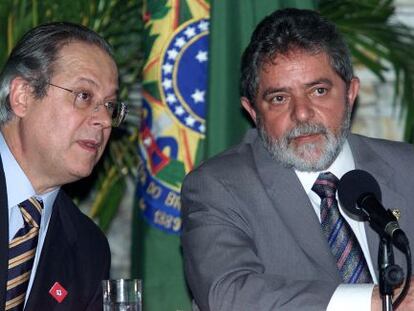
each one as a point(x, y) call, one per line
point(122, 295)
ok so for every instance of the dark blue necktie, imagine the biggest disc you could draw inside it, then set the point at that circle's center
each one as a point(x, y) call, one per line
point(342, 241)
point(22, 250)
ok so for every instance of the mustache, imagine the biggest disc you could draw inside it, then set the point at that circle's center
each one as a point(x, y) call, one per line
point(306, 128)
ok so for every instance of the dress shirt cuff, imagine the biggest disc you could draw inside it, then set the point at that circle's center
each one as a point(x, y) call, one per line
point(351, 297)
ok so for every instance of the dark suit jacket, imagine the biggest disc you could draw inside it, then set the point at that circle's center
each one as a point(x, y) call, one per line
point(75, 253)
point(251, 239)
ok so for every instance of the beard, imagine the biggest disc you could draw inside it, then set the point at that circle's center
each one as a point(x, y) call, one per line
point(308, 157)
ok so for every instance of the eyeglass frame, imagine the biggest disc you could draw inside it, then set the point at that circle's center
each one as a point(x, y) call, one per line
point(114, 123)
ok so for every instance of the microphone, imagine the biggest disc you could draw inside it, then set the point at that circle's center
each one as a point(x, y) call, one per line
point(360, 195)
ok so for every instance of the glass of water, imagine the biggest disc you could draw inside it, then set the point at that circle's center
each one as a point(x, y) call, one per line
point(122, 295)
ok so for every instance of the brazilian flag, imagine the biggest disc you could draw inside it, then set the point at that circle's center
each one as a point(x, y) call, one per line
point(171, 131)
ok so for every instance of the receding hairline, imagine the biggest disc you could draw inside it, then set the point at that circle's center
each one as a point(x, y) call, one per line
point(75, 41)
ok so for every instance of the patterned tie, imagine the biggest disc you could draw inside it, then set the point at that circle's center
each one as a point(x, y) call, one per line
point(22, 249)
point(342, 241)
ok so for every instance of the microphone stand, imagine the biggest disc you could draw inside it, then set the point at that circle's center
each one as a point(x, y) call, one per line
point(390, 274)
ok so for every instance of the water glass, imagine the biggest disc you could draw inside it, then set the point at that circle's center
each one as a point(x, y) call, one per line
point(122, 295)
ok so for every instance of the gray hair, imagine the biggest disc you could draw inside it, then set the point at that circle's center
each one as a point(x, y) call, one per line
point(34, 56)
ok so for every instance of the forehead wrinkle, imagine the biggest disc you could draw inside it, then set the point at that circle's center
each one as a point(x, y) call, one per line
point(73, 62)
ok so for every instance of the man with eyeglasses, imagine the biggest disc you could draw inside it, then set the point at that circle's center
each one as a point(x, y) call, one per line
point(58, 103)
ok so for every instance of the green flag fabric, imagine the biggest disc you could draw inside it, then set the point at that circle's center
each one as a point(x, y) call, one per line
point(172, 126)
point(232, 22)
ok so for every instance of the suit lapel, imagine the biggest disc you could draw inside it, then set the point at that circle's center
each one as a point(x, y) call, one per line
point(56, 263)
point(4, 235)
point(297, 213)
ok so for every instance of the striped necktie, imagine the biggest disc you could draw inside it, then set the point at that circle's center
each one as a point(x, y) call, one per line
point(22, 249)
point(342, 241)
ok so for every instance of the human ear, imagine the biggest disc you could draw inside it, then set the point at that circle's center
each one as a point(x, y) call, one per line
point(353, 90)
point(19, 96)
point(249, 108)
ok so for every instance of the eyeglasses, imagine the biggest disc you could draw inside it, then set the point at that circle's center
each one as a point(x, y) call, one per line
point(84, 101)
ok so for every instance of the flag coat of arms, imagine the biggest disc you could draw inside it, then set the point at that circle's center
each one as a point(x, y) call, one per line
point(171, 133)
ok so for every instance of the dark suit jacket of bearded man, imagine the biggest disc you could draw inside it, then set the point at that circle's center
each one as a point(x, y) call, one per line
point(75, 254)
point(251, 238)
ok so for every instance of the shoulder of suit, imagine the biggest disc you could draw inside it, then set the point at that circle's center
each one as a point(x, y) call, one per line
point(232, 158)
point(388, 150)
point(385, 144)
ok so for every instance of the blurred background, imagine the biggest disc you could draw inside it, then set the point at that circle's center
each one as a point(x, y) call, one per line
point(178, 62)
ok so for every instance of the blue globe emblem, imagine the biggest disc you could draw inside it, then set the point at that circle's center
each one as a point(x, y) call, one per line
point(184, 75)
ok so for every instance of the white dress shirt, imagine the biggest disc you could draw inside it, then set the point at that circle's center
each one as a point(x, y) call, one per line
point(346, 296)
point(20, 189)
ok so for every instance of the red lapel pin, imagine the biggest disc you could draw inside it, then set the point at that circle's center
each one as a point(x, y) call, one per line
point(58, 292)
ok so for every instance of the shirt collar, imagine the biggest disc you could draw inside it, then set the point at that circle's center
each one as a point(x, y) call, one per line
point(48, 201)
point(343, 163)
point(18, 185)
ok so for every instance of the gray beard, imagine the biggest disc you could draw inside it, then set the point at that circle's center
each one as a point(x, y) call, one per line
point(301, 158)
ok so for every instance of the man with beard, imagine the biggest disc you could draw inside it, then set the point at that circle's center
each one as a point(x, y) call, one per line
point(258, 232)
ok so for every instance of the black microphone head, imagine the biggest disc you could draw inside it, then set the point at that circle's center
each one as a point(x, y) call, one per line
point(352, 186)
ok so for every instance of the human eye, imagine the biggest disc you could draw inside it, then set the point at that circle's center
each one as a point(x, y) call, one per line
point(320, 91)
point(278, 99)
point(83, 99)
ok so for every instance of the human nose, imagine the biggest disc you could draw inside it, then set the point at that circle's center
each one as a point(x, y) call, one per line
point(101, 116)
point(302, 109)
